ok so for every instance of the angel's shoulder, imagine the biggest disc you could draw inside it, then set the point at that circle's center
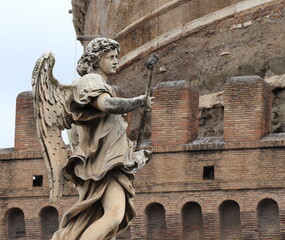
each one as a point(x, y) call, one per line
point(91, 77)
point(89, 82)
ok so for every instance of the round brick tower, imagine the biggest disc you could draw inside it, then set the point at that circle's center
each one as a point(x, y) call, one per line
point(203, 42)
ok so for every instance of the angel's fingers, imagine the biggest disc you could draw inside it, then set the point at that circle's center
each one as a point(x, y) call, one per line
point(150, 101)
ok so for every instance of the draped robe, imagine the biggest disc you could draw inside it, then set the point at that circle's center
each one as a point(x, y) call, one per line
point(101, 155)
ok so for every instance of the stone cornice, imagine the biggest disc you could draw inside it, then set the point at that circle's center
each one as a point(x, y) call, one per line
point(200, 144)
point(20, 155)
point(80, 9)
point(188, 28)
point(217, 143)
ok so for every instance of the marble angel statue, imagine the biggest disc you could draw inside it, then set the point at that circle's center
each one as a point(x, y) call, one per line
point(102, 162)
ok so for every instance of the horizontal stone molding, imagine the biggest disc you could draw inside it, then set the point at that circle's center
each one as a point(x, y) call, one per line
point(20, 155)
point(205, 144)
point(26, 155)
point(212, 143)
point(184, 30)
point(154, 14)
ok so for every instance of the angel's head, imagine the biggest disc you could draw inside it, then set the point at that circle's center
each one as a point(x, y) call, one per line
point(94, 53)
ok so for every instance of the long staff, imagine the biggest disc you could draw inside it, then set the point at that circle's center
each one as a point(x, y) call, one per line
point(149, 65)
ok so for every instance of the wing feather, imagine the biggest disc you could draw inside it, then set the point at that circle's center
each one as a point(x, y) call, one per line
point(51, 117)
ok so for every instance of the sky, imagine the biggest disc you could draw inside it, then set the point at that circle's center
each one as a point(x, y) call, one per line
point(29, 28)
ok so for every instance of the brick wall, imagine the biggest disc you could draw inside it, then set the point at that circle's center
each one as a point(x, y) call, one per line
point(25, 131)
point(247, 109)
point(245, 163)
point(210, 202)
point(175, 198)
point(17, 191)
point(175, 116)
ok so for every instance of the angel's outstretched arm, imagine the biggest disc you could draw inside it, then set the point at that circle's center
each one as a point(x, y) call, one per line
point(115, 105)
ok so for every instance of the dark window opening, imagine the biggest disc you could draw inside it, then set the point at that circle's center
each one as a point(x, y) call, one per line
point(209, 173)
point(37, 181)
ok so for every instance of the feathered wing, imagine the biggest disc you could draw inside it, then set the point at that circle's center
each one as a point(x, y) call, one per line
point(51, 117)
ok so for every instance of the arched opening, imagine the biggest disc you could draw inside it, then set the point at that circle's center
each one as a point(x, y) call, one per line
point(268, 219)
point(156, 224)
point(230, 220)
point(49, 222)
point(16, 224)
point(193, 227)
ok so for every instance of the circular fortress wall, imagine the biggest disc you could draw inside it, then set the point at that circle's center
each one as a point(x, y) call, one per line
point(203, 42)
point(136, 22)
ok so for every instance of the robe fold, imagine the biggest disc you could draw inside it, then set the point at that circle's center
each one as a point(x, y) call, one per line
point(101, 155)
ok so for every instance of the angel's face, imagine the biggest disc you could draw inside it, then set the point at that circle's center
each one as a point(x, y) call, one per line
point(108, 63)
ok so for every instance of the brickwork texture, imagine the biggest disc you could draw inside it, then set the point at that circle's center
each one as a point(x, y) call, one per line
point(193, 188)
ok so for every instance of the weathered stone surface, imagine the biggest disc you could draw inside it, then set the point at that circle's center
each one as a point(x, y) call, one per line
point(211, 114)
point(211, 109)
point(211, 100)
point(276, 81)
point(211, 122)
point(196, 58)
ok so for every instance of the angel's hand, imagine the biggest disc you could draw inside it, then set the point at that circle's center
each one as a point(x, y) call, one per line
point(139, 159)
point(147, 101)
point(130, 164)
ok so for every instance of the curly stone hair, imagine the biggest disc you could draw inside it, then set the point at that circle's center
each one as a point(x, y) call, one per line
point(94, 50)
